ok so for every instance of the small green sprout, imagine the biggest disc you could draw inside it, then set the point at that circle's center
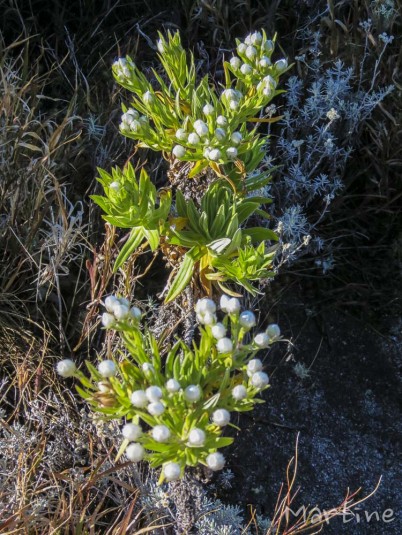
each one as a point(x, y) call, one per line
point(220, 246)
point(135, 204)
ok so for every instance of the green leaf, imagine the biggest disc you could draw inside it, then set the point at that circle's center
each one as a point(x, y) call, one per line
point(185, 238)
point(182, 278)
point(245, 210)
point(198, 167)
point(233, 226)
point(263, 214)
point(193, 217)
point(95, 375)
point(82, 392)
point(170, 359)
point(218, 220)
point(101, 201)
point(219, 442)
point(259, 234)
point(152, 237)
point(181, 204)
point(134, 240)
point(236, 242)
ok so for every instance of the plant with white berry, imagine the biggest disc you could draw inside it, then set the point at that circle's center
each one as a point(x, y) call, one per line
point(215, 130)
point(191, 120)
point(177, 406)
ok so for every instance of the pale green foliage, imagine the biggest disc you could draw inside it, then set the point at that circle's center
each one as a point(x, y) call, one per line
point(134, 204)
point(219, 246)
point(193, 122)
point(193, 115)
point(216, 239)
point(183, 399)
point(251, 264)
point(203, 365)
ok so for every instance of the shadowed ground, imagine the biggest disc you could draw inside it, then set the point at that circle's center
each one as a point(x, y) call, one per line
point(348, 414)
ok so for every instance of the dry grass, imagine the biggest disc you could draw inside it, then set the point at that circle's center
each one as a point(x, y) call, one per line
point(62, 477)
point(42, 231)
point(288, 519)
point(57, 461)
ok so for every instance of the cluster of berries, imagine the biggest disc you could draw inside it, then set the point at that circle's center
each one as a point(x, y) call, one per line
point(157, 397)
point(211, 136)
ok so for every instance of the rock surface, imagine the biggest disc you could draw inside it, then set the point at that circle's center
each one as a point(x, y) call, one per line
point(340, 387)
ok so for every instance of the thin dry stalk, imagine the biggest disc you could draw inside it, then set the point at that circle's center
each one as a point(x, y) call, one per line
point(309, 521)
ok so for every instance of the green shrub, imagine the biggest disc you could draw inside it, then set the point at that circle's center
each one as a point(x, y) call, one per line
point(178, 404)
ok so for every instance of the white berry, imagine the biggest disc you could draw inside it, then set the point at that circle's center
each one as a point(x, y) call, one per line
point(110, 301)
point(107, 368)
point(233, 306)
point(156, 408)
point(215, 461)
point(131, 432)
point(247, 319)
point(179, 151)
point(139, 399)
point(214, 155)
point(161, 433)
point(193, 138)
point(135, 452)
point(66, 368)
point(221, 120)
point(172, 385)
point(236, 137)
point(218, 331)
point(253, 366)
point(108, 320)
point(273, 331)
point(221, 417)
point(153, 393)
point(231, 153)
point(201, 128)
point(224, 345)
point(246, 69)
point(182, 135)
point(121, 311)
point(208, 109)
point(205, 305)
point(192, 393)
point(239, 392)
point(135, 313)
point(235, 63)
point(171, 471)
point(196, 437)
point(259, 380)
point(261, 340)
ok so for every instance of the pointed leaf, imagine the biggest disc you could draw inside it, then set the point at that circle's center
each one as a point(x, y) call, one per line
point(133, 242)
point(182, 278)
point(181, 204)
point(198, 167)
point(260, 234)
point(245, 210)
point(152, 237)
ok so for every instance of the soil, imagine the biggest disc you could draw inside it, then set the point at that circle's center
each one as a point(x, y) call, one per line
point(347, 411)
